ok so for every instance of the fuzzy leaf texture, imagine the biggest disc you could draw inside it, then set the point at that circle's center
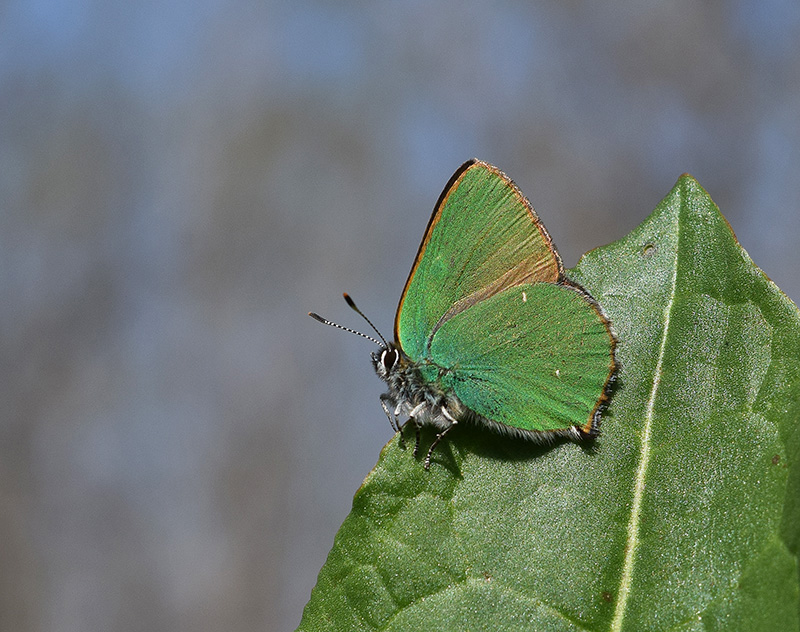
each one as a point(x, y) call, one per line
point(685, 513)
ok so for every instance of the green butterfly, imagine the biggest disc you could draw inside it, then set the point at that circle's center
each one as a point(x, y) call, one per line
point(488, 329)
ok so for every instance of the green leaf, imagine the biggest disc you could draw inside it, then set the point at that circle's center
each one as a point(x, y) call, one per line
point(685, 513)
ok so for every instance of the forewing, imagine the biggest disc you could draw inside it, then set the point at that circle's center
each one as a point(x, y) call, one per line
point(482, 238)
point(535, 357)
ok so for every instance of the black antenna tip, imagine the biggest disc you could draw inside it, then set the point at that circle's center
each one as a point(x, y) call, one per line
point(349, 300)
point(316, 317)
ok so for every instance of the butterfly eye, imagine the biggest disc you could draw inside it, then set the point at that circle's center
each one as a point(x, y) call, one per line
point(388, 358)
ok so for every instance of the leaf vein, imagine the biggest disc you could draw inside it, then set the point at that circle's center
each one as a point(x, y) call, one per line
point(632, 543)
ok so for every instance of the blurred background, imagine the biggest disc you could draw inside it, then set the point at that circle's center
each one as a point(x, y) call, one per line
point(181, 182)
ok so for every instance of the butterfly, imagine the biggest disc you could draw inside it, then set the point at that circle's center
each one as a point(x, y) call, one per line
point(489, 330)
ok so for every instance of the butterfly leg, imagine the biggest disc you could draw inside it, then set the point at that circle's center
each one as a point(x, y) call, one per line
point(392, 421)
point(418, 437)
point(397, 410)
point(413, 417)
point(453, 422)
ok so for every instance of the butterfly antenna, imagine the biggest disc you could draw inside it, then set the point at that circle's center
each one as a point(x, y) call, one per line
point(352, 305)
point(325, 321)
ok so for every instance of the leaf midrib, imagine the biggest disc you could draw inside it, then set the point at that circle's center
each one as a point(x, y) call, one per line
point(632, 542)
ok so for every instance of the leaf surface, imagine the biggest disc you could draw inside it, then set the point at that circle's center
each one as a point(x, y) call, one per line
point(684, 515)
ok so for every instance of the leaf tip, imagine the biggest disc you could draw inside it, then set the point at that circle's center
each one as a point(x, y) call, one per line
point(688, 179)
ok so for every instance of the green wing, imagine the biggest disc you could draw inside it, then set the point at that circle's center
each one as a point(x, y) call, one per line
point(487, 311)
point(483, 237)
point(534, 357)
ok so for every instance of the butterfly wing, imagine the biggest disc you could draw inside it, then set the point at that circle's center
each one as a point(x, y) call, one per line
point(483, 237)
point(534, 357)
point(487, 304)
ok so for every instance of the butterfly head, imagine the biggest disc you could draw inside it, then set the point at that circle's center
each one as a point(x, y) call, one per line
point(387, 360)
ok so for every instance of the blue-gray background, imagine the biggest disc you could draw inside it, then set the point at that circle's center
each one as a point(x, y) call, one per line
point(181, 182)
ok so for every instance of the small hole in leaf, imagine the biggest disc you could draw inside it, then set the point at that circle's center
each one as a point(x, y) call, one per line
point(776, 459)
point(648, 250)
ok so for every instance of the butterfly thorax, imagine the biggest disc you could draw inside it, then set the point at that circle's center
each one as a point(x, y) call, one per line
point(409, 393)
